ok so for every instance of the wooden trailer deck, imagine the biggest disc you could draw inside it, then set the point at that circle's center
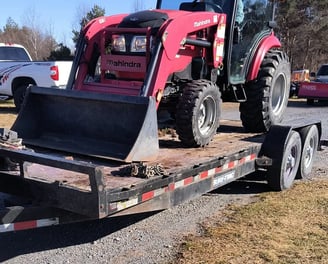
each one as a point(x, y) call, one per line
point(172, 158)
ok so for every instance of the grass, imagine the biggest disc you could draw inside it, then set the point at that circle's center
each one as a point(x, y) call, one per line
point(7, 103)
point(282, 227)
point(7, 113)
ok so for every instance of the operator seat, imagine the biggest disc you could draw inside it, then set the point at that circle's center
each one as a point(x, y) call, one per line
point(200, 6)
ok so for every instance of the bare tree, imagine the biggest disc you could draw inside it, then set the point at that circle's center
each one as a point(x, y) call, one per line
point(38, 43)
point(10, 31)
point(34, 38)
point(303, 27)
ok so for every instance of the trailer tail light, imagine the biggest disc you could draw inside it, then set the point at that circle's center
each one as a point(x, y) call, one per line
point(54, 73)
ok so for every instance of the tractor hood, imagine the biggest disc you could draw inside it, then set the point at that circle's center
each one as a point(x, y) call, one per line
point(144, 19)
point(148, 18)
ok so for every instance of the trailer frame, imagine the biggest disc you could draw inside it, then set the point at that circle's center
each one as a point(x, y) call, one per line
point(44, 203)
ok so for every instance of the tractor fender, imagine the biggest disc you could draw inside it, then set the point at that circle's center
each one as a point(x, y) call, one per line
point(269, 42)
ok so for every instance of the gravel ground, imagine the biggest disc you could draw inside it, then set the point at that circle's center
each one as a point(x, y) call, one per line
point(147, 238)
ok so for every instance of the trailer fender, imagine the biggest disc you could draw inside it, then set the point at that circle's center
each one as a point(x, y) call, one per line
point(283, 146)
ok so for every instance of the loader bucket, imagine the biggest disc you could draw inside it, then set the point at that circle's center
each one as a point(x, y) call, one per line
point(109, 126)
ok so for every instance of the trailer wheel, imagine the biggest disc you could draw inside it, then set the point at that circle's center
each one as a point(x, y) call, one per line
point(281, 176)
point(310, 142)
point(267, 97)
point(198, 113)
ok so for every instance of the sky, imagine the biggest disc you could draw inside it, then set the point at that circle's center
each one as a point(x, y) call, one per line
point(60, 17)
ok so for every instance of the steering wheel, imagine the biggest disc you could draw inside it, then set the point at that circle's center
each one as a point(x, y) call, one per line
point(216, 7)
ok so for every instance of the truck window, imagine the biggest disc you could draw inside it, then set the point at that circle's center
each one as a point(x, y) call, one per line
point(323, 70)
point(8, 53)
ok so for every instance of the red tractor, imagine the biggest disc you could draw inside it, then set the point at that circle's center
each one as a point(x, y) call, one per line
point(184, 57)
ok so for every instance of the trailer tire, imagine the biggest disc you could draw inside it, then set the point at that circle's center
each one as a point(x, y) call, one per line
point(198, 113)
point(267, 97)
point(310, 143)
point(282, 175)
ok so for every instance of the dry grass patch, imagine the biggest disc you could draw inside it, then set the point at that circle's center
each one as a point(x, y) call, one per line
point(282, 227)
point(7, 113)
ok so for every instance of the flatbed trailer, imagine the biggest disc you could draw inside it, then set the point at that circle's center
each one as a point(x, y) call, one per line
point(48, 188)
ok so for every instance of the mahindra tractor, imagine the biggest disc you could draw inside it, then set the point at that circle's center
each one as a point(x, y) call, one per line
point(184, 57)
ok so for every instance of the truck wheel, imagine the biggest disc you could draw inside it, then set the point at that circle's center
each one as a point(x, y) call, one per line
point(310, 142)
point(198, 113)
point(267, 97)
point(281, 175)
point(19, 94)
point(310, 101)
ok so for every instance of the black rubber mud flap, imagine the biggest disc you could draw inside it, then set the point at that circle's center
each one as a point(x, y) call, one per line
point(109, 126)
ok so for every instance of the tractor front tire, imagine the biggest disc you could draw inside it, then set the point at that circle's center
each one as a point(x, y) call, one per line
point(198, 113)
point(267, 96)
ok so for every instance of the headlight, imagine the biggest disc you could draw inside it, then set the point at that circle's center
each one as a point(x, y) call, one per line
point(138, 44)
point(119, 43)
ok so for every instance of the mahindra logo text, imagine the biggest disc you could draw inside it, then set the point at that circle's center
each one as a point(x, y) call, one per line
point(202, 23)
point(123, 63)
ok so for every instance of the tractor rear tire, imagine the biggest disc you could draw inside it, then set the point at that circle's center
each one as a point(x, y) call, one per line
point(198, 113)
point(267, 97)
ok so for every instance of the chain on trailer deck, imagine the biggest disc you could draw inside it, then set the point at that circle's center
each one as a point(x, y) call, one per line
point(143, 170)
point(9, 139)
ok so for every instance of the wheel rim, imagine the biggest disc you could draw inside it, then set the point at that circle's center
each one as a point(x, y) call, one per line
point(291, 163)
point(310, 146)
point(309, 151)
point(207, 115)
point(278, 95)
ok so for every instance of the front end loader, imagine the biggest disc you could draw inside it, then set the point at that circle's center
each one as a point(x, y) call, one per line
point(181, 57)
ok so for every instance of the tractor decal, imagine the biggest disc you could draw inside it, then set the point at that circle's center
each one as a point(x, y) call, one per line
point(218, 48)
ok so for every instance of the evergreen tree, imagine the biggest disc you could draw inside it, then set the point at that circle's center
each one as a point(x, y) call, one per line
point(60, 53)
point(303, 28)
point(95, 12)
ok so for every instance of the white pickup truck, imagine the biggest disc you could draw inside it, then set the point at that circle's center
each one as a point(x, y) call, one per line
point(18, 71)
